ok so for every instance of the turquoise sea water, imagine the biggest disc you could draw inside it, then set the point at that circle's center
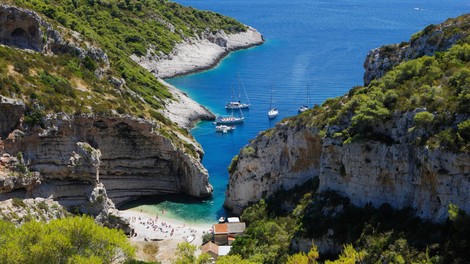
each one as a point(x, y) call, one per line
point(322, 43)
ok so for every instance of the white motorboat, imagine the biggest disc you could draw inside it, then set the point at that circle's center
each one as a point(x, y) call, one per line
point(224, 128)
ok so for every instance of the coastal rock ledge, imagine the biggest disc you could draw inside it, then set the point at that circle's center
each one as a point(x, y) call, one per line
point(128, 157)
point(198, 53)
point(401, 174)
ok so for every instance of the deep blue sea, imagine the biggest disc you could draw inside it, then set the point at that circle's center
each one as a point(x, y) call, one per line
point(322, 43)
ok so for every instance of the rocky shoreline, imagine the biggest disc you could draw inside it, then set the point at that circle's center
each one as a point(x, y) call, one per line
point(198, 54)
point(183, 110)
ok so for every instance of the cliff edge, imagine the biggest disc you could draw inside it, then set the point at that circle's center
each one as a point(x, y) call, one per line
point(403, 140)
point(86, 126)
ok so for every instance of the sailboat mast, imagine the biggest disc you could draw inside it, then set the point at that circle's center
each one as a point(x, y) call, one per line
point(244, 90)
point(271, 101)
point(308, 96)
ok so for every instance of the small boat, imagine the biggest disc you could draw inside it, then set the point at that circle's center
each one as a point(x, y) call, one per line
point(237, 104)
point(221, 220)
point(273, 112)
point(224, 128)
point(304, 108)
point(229, 120)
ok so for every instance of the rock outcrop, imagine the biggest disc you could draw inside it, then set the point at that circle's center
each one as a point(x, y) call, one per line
point(277, 159)
point(432, 39)
point(197, 54)
point(183, 110)
point(400, 174)
point(20, 211)
point(11, 112)
point(25, 29)
point(128, 156)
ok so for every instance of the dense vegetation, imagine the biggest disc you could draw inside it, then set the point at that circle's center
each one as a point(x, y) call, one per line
point(434, 88)
point(68, 83)
point(365, 235)
point(68, 240)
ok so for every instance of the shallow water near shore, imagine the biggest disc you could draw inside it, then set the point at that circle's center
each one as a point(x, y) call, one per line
point(322, 43)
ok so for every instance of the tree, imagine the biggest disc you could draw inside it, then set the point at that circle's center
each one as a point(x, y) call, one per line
point(298, 258)
point(69, 240)
point(185, 252)
point(423, 119)
point(230, 259)
point(349, 256)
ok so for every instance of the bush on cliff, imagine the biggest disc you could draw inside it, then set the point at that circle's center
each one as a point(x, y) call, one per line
point(438, 84)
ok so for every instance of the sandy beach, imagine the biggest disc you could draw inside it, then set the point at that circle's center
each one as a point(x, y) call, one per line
point(167, 233)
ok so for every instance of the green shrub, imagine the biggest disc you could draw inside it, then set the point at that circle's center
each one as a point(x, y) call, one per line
point(233, 165)
point(18, 202)
point(423, 119)
point(248, 150)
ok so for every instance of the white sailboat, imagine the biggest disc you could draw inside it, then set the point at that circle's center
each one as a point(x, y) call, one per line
point(237, 104)
point(230, 120)
point(273, 112)
point(304, 108)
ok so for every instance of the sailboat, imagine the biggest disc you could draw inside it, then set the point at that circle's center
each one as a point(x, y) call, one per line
point(304, 108)
point(237, 104)
point(230, 120)
point(273, 112)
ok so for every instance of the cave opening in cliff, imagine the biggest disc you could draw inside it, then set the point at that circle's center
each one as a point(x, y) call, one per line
point(20, 39)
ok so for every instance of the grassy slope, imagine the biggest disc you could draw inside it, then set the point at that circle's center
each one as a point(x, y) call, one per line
point(67, 83)
point(121, 28)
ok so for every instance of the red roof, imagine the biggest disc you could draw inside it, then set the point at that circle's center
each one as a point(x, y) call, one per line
point(220, 228)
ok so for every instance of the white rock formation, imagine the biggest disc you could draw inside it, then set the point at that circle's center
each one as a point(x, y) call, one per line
point(400, 174)
point(197, 54)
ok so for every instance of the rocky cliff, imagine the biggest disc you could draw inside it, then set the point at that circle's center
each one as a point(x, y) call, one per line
point(400, 174)
point(432, 39)
point(197, 53)
point(129, 156)
point(25, 29)
point(377, 144)
point(277, 159)
point(95, 161)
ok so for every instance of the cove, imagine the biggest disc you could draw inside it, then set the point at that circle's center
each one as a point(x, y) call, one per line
point(322, 43)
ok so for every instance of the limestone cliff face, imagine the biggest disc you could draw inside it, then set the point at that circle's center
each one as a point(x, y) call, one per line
point(11, 112)
point(277, 159)
point(401, 174)
point(130, 157)
point(432, 39)
point(197, 53)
